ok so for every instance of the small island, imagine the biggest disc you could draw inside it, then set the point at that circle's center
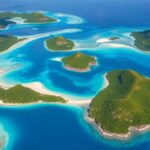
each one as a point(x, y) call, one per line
point(19, 95)
point(123, 104)
point(59, 43)
point(142, 40)
point(7, 18)
point(107, 40)
point(114, 38)
point(6, 41)
point(79, 62)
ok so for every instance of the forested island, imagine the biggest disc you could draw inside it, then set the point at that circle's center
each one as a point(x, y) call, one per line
point(6, 18)
point(6, 41)
point(79, 62)
point(59, 43)
point(20, 94)
point(124, 103)
point(142, 40)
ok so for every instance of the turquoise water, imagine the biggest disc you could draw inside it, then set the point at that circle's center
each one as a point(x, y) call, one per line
point(60, 127)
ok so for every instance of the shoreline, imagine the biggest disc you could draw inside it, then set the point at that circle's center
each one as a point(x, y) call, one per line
point(39, 87)
point(72, 103)
point(81, 70)
point(118, 136)
point(131, 130)
point(30, 38)
point(77, 69)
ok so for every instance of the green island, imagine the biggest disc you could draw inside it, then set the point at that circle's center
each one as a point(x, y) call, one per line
point(6, 41)
point(142, 40)
point(79, 62)
point(59, 43)
point(122, 104)
point(114, 38)
point(20, 94)
point(34, 17)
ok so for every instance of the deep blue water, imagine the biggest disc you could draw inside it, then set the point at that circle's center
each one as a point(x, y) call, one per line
point(58, 127)
point(54, 127)
point(104, 13)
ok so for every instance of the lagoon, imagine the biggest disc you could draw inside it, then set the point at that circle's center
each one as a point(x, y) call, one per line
point(60, 127)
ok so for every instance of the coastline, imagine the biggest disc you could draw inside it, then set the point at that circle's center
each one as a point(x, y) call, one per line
point(30, 38)
point(72, 103)
point(131, 130)
point(77, 69)
point(21, 43)
point(37, 86)
point(118, 136)
point(81, 70)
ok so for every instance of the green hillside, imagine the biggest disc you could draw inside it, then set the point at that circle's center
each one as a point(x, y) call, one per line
point(124, 103)
point(142, 40)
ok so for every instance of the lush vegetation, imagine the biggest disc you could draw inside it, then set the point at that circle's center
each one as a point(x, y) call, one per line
point(20, 94)
point(34, 17)
point(124, 103)
point(59, 43)
point(142, 40)
point(79, 61)
point(6, 41)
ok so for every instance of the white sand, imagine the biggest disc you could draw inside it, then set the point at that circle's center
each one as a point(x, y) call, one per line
point(116, 45)
point(39, 87)
point(79, 102)
point(57, 59)
point(17, 20)
point(103, 40)
point(37, 36)
point(2, 71)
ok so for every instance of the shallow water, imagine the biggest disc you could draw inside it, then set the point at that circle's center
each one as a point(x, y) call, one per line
point(60, 127)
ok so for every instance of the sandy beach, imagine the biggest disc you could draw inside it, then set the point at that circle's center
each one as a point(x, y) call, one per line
point(37, 36)
point(116, 45)
point(39, 87)
point(103, 40)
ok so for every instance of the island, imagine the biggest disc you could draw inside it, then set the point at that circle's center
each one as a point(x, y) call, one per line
point(123, 104)
point(142, 40)
point(114, 38)
point(79, 62)
point(106, 40)
point(19, 95)
point(59, 43)
point(6, 41)
point(7, 18)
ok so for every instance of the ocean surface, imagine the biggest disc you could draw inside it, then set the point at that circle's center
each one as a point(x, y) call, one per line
point(60, 127)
